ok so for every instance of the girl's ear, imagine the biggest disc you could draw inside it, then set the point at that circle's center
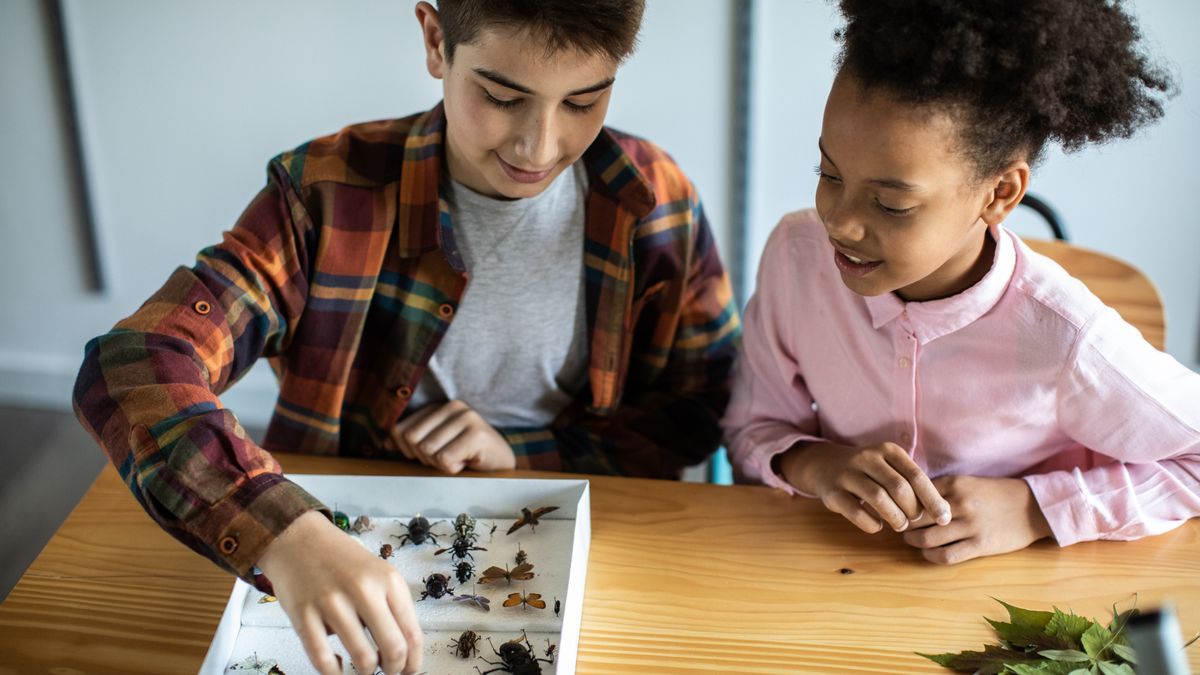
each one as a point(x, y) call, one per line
point(435, 42)
point(1006, 192)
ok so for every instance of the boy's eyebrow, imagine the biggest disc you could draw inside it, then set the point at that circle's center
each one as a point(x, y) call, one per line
point(893, 183)
point(505, 82)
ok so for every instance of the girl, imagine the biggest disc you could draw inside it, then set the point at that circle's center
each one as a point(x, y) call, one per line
point(907, 360)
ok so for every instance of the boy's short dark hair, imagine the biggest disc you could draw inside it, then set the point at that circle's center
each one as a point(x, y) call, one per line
point(608, 27)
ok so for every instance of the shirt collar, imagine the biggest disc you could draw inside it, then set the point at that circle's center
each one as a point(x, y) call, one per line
point(422, 210)
point(930, 320)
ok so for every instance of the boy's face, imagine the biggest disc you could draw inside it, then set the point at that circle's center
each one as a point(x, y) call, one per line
point(515, 117)
point(900, 203)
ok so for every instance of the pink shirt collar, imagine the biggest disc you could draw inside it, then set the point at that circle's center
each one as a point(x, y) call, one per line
point(928, 321)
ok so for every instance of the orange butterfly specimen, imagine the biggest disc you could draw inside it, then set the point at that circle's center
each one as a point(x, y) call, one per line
point(493, 574)
point(529, 600)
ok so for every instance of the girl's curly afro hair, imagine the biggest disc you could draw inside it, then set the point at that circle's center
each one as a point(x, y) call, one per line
point(1017, 73)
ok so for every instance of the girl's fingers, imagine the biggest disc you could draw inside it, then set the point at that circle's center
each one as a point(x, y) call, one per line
point(848, 506)
point(455, 454)
point(875, 496)
point(312, 634)
point(931, 501)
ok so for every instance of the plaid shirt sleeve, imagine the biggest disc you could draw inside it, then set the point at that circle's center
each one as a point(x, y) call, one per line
point(147, 390)
point(683, 335)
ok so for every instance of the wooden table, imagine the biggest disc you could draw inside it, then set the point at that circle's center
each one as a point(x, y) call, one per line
point(682, 578)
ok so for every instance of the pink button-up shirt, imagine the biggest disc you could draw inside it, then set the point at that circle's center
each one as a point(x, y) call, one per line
point(1026, 374)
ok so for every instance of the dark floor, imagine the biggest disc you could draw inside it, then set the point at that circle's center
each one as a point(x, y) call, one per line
point(47, 462)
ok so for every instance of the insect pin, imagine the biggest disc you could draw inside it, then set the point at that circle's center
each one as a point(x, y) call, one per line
point(466, 644)
point(533, 600)
point(417, 531)
point(493, 574)
point(436, 586)
point(515, 657)
point(475, 600)
point(460, 549)
point(530, 518)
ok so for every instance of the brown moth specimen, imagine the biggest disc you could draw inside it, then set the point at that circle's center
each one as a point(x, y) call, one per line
point(530, 518)
point(493, 574)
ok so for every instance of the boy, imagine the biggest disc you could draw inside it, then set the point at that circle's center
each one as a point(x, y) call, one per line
point(498, 282)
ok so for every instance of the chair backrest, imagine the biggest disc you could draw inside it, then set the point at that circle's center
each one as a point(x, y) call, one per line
point(1117, 283)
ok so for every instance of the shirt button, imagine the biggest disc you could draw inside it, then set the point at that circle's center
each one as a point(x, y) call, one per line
point(202, 307)
point(403, 392)
point(446, 310)
point(228, 545)
point(903, 362)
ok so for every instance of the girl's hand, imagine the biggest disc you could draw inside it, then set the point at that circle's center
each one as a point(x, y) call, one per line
point(865, 484)
point(991, 516)
point(452, 437)
point(327, 583)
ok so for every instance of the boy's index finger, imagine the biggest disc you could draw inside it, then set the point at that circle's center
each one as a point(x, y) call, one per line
point(935, 505)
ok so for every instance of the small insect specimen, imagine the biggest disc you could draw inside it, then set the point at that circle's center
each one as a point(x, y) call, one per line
point(493, 574)
point(341, 520)
point(259, 666)
point(418, 530)
point(492, 532)
point(557, 606)
point(386, 551)
point(362, 524)
point(550, 649)
point(476, 600)
point(267, 598)
point(515, 658)
point(466, 644)
point(533, 600)
point(460, 549)
point(521, 555)
point(436, 585)
point(530, 518)
point(463, 571)
point(464, 527)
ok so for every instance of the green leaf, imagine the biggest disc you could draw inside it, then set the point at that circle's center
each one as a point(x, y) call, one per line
point(1125, 652)
point(1067, 627)
point(1095, 639)
point(1121, 620)
point(1044, 668)
point(1080, 671)
point(1110, 668)
point(1027, 618)
point(1025, 637)
point(990, 661)
point(1073, 655)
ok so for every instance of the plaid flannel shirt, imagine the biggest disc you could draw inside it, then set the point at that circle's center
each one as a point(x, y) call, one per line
point(343, 272)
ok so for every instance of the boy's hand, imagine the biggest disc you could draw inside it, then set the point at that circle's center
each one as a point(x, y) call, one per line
point(327, 583)
point(452, 437)
point(991, 516)
point(865, 484)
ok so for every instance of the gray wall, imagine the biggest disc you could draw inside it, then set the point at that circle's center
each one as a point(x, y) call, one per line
point(182, 103)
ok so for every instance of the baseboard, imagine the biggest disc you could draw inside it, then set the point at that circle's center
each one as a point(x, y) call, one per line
point(46, 381)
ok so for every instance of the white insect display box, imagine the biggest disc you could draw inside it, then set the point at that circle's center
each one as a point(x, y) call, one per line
point(254, 634)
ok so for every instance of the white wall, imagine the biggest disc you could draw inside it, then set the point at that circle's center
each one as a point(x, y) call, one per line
point(1133, 199)
point(183, 103)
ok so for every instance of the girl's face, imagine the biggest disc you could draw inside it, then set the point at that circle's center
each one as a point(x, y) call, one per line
point(903, 208)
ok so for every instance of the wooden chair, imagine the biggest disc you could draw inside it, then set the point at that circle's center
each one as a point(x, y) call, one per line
point(1117, 283)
